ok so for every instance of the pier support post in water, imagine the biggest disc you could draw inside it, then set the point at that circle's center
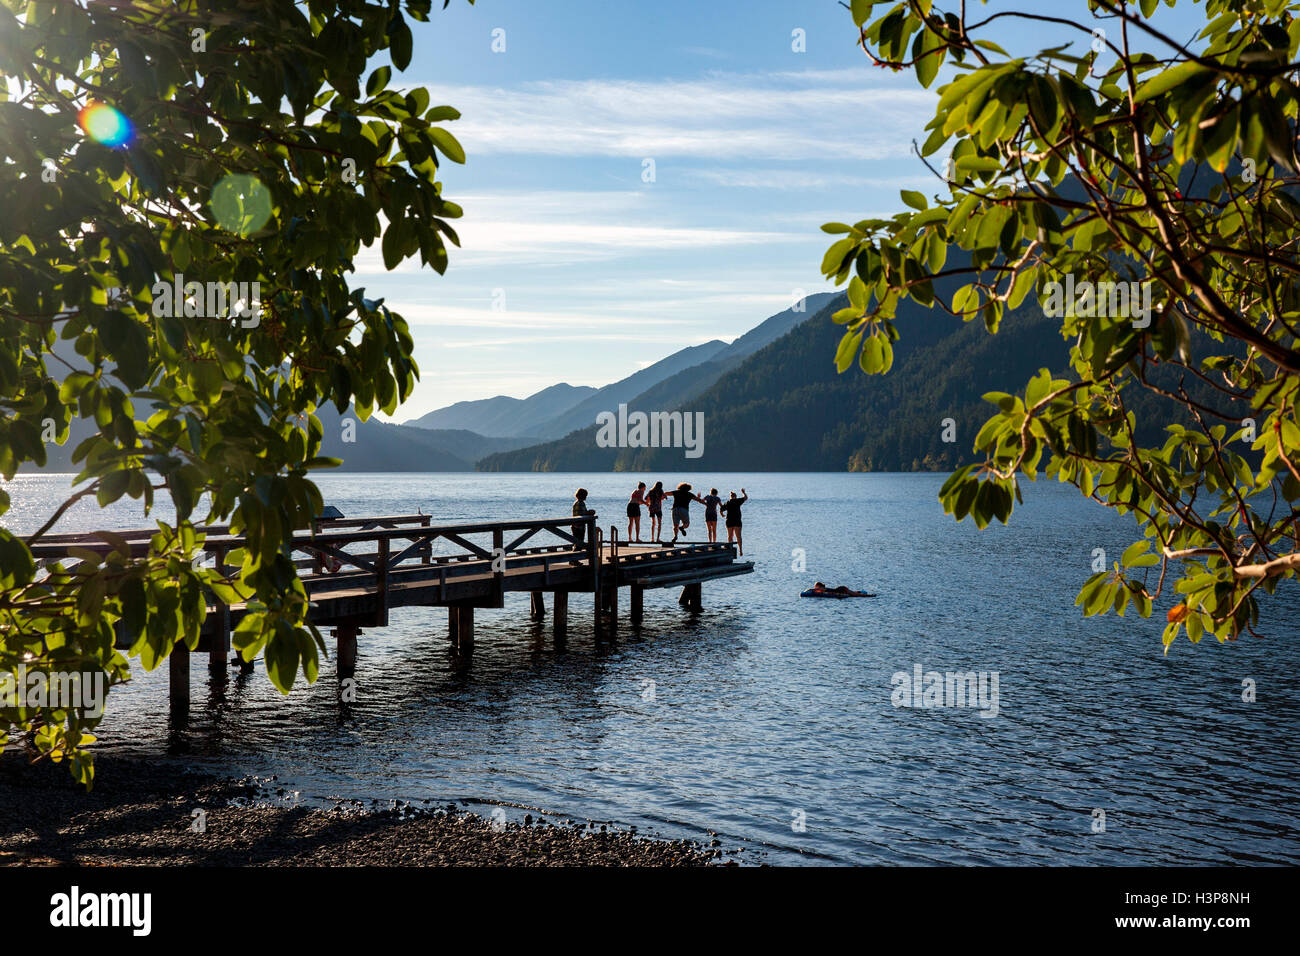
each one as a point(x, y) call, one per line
point(219, 646)
point(538, 611)
point(460, 620)
point(612, 604)
point(345, 642)
point(561, 620)
point(692, 597)
point(178, 667)
point(636, 610)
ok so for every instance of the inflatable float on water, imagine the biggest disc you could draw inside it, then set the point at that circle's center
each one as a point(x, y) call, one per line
point(828, 593)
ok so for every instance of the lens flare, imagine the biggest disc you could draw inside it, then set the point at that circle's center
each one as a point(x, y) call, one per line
point(240, 204)
point(105, 125)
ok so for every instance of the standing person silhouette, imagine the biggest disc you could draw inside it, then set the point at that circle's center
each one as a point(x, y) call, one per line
point(732, 510)
point(634, 512)
point(654, 499)
point(580, 510)
point(711, 502)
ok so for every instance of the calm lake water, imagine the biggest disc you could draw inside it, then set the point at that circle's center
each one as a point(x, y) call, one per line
point(771, 723)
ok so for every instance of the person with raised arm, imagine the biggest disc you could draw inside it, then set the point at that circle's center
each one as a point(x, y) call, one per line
point(731, 508)
point(634, 512)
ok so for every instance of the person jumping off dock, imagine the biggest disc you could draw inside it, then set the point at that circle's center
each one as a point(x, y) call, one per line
point(682, 499)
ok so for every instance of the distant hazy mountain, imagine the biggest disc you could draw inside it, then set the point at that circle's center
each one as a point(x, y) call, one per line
point(785, 408)
point(677, 390)
point(689, 371)
point(503, 416)
point(375, 446)
point(382, 447)
point(554, 412)
point(769, 330)
point(471, 446)
point(609, 397)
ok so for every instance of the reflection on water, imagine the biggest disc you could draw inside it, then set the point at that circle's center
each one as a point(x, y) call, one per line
point(767, 719)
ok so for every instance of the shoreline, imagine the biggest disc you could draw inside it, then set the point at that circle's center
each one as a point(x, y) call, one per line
point(139, 814)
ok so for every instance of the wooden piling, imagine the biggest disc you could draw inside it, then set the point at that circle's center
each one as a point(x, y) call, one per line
point(498, 566)
point(461, 621)
point(219, 648)
point(178, 667)
point(561, 620)
point(345, 637)
point(636, 611)
point(692, 597)
point(381, 583)
point(538, 610)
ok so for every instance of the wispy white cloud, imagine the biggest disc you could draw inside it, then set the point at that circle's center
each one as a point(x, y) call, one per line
point(825, 114)
point(802, 179)
point(485, 317)
point(528, 341)
point(569, 230)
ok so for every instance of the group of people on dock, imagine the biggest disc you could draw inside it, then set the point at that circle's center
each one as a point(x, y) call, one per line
point(653, 500)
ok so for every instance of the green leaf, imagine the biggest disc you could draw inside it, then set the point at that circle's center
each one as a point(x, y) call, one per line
point(977, 164)
point(399, 35)
point(872, 357)
point(928, 52)
point(1134, 551)
point(447, 143)
point(1169, 79)
point(378, 80)
point(848, 350)
point(833, 261)
point(914, 199)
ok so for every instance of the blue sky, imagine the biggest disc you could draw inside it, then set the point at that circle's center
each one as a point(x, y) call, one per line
point(595, 272)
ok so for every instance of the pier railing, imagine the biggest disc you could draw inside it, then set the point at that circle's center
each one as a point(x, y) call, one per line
point(358, 568)
point(399, 542)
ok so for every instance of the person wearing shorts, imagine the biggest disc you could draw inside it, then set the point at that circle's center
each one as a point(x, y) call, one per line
point(654, 500)
point(634, 512)
point(711, 502)
point(682, 499)
point(732, 511)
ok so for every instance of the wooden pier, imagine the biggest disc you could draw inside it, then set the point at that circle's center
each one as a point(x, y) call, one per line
point(357, 570)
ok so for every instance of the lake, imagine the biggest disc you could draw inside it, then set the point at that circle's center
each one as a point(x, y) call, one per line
point(770, 720)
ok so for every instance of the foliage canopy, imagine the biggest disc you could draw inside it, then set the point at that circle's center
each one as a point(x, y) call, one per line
point(244, 144)
point(1119, 156)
